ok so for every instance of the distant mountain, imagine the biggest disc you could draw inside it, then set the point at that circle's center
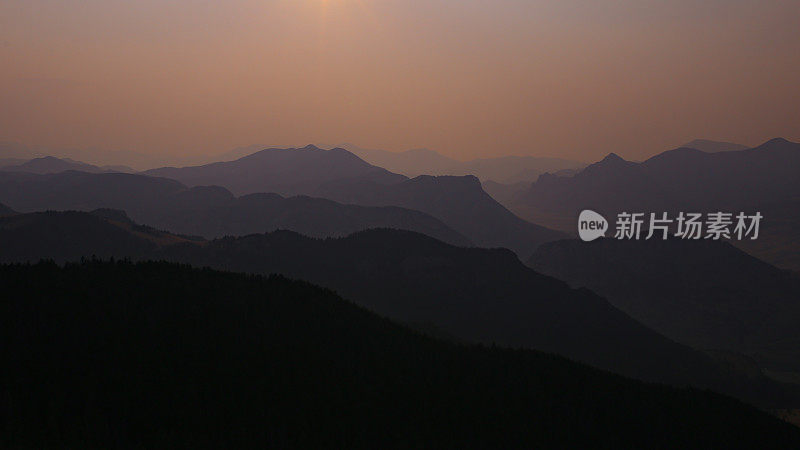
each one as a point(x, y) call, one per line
point(284, 171)
point(683, 179)
point(503, 169)
point(337, 174)
point(109, 158)
point(459, 202)
point(714, 146)
point(156, 355)
point(50, 164)
point(471, 294)
point(207, 211)
point(706, 294)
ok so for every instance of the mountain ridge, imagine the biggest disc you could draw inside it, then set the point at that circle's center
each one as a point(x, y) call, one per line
point(206, 211)
point(162, 355)
point(473, 294)
point(706, 294)
point(293, 171)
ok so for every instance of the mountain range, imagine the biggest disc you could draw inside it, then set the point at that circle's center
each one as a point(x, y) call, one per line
point(339, 175)
point(706, 294)
point(459, 202)
point(51, 164)
point(206, 211)
point(14, 153)
point(764, 178)
point(506, 192)
point(467, 294)
point(294, 171)
point(158, 355)
point(681, 179)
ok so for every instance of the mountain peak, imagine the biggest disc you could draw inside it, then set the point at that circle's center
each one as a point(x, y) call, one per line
point(778, 144)
point(777, 141)
point(612, 157)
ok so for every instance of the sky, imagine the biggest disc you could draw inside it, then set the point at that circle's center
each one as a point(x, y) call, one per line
point(570, 78)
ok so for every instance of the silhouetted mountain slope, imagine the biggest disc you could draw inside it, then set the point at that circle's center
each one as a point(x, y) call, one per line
point(475, 294)
point(135, 194)
point(706, 294)
point(457, 201)
point(714, 146)
point(337, 174)
point(684, 178)
point(115, 355)
point(106, 158)
point(283, 171)
point(207, 211)
point(51, 164)
point(71, 235)
point(310, 216)
point(5, 210)
point(471, 294)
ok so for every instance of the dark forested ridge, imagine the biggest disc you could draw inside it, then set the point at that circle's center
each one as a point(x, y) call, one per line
point(72, 235)
point(121, 355)
point(470, 294)
point(479, 295)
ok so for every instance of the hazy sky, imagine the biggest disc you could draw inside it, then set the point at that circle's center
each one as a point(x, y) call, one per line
point(468, 78)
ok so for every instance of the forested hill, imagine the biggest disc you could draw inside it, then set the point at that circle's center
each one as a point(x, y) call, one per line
point(112, 355)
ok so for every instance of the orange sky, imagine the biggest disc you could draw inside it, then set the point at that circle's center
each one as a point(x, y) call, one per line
point(467, 78)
